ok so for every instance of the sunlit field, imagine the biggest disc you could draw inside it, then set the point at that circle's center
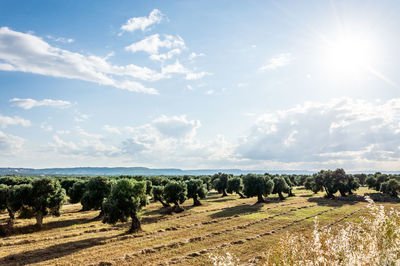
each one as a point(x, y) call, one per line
point(222, 225)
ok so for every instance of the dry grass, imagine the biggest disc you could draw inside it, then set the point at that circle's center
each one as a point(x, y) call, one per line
point(219, 226)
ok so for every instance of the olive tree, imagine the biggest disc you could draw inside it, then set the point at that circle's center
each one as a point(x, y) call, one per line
point(75, 193)
point(158, 195)
point(42, 197)
point(195, 190)
point(280, 186)
point(257, 186)
point(235, 184)
point(5, 201)
point(97, 189)
point(175, 192)
point(220, 183)
point(126, 199)
point(391, 187)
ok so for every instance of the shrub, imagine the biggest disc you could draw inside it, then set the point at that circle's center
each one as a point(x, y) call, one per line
point(257, 186)
point(195, 190)
point(391, 187)
point(127, 197)
point(235, 184)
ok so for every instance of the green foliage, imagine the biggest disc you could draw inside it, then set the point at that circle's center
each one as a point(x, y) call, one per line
point(257, 186)
point(175, 192)
point(42, 197)
point(158, 195)
point(280, 186)
point(391, 187)
point(127, 197)
point(149, 187)
point(220, 182)
point(207, 181)
point(14, 180)
point(375, 181)
point(195, 190)
point(332, 182)
point(67, 183)
point(77, 190)
point(235, 184)
point(97, 189)
point(5, 201)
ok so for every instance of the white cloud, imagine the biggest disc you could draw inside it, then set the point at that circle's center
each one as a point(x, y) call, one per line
point(79, 117)
point(142, 23)
point(30, 103)
point(152, 44)
point(342, 131)
point(193, 55)
point(277, 61)
point(178, 68)
point(46, 127)
point(176, 126)
point(63, 132)
point(10, 143)
point(209, 92)
point(60, 39)
point(162, 57)
point(14, 121)
point(111, 129)
point(28, 53)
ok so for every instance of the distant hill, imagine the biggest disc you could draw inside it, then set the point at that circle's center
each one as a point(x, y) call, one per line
point(115, 171)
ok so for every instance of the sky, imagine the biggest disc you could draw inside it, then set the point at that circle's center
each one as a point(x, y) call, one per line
point(274, 85)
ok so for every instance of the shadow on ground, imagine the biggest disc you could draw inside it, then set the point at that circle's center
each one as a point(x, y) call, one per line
point(331, 202)
point(52, 252)
point(241, 209)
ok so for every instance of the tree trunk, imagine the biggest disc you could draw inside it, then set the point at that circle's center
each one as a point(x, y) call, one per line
point(241, 195)
point(291, 193)
point(11, 213)
point(39, 219)
point(260, 199)
point(196, 201)
point(135, 225)
point(281, 197)
point(224, 193)
point(342, 193)
point(165, 205)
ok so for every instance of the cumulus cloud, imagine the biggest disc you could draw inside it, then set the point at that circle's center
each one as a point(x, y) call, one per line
point(28, 53)
point(339, 131)
point(142, 23)
point(60, 39)
point(178, 68)
point(152, 44)
point(111, 129)
point(14, 121)
point(176, 126)
point(277, 61)
point(30, 103)
point(10, 143)
point(193, 55)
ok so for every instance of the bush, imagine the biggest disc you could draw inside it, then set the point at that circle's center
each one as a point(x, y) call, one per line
point(257, 186)
point(391, 187)
point(127, 197)
point(195, 190)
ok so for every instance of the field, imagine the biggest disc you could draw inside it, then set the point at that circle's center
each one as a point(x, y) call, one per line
point(221, 225)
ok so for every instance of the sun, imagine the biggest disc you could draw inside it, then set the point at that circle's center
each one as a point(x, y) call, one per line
point(348, 55)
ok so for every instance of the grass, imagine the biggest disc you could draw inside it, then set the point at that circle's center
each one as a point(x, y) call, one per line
point(231, 225)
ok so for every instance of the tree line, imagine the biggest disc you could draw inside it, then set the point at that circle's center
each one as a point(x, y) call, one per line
point(119, 199)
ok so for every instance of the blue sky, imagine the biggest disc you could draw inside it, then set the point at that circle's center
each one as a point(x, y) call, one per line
point(200, 84)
